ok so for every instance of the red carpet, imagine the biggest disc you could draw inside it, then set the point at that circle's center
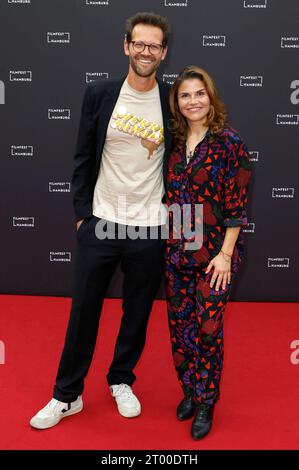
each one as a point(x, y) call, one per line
point(258, 407)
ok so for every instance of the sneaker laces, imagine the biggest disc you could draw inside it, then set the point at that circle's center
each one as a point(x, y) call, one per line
point(53, 405)
point(124, 391)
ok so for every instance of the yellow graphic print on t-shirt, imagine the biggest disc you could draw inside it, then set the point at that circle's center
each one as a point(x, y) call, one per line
point(150, 133)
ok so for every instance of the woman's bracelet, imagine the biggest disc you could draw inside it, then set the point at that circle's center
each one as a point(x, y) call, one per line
point(226, 254)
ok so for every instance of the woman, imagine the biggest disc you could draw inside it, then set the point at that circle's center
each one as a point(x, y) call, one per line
point(209, 168)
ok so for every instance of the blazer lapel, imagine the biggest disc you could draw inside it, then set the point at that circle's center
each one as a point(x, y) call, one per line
point(164, 97)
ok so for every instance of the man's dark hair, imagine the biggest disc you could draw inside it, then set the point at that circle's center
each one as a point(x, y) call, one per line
point(148, 18)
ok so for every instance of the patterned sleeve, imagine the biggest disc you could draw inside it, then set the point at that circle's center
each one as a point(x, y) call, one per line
point(238, 173)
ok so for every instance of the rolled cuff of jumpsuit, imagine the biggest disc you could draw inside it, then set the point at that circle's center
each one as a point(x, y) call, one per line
point(235, 222)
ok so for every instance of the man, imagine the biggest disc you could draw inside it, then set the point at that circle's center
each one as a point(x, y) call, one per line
point(120, 164)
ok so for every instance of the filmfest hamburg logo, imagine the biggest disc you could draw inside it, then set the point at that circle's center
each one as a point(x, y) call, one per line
point(287, 119)
point(283, 193)
point(251, 80)
point(21, 150)
point(23, 221)
point(20, 76)
point(172, 3)
point(278, 262)
point(100, 3)
point(59, 113)
point(60, 256)
point(249, 228)
point(289, 42)
point(254, 155)
point(14, 2)
point(92, 76)
point(59, 187)
point(58, 37)
point(170, 77)
point(213, 40)
point(255, 3)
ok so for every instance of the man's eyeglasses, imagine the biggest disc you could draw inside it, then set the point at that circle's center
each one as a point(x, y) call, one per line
point(139, 46)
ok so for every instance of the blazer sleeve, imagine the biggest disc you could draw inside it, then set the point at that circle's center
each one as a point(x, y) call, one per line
point(84, 159)
point(237, 177)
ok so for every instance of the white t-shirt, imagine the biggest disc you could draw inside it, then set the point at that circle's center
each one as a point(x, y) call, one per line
point(129, 188)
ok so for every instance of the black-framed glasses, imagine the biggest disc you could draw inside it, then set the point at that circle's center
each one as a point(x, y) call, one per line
point(139, 46)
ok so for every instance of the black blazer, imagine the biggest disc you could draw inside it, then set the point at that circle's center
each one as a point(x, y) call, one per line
point(98, 103)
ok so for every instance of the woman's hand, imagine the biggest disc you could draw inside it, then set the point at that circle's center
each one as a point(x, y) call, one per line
point(222, 270)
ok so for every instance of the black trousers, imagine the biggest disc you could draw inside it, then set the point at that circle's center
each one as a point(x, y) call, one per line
point(96, 260)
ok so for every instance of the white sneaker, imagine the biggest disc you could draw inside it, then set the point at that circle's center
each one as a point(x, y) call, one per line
point(127, 403)
point(54, 411)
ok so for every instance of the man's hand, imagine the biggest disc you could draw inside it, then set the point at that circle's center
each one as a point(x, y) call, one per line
point(79, 223)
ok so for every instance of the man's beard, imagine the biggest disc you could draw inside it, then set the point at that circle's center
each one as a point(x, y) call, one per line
point(142, 73)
